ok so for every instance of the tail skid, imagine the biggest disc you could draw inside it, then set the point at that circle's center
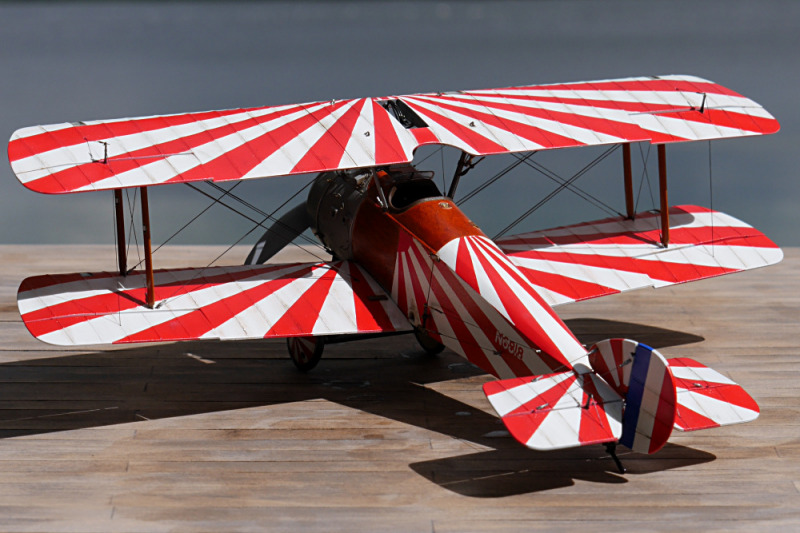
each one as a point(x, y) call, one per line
point(631, 395)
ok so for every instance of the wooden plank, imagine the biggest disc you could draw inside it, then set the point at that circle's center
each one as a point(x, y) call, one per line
point(211, 436)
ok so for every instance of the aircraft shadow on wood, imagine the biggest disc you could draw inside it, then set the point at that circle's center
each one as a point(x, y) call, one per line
point(385, 377)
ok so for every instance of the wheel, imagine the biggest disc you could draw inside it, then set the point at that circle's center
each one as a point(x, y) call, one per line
point(305, 351)
point(430, 345)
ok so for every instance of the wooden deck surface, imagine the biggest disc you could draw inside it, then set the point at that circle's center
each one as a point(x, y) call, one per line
point(210, 436)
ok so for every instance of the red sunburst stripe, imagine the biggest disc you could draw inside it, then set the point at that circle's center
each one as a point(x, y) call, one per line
point(688, 419)
point(50, 280)
point(685, 361)
point(458, 285)
point(617, 346)
point(485, 324)
point(65, 314)
point(424, 136)
point(712, 116)
point(492, 250)
point(575, 289)
point(657, 270)
point(594, 426)
point(478, 142)
point(635, 85)
point(197, 323)
point(327, 152)
point(401, 299)
point(233, 164)
point(388, 148)
point(521, 317)
point(418, 275)
point(490, 388)
point(665, 414)
point(71, 136)
point(371, 315)
point(732, 394)
point(534, 134)
point(578, 101)
point(535, 417)
point(464, 265)
point(609, 365)
point(708, 235)
point(622, 130)
point(74, 177)
point(470, 346)
point(301, 317)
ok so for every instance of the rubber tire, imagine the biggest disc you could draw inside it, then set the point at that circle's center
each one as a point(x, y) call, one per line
point(305, 352)
point(430, 345)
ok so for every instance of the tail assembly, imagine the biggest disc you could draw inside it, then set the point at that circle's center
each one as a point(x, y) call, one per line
point(631, 395)
point(557, 411)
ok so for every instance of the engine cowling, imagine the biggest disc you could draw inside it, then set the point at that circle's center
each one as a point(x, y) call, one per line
point(332, 204)
point(335, 198)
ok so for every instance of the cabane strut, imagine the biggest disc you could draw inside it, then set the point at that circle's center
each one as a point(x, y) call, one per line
point(662, 186)
point(630, 210)
point(148, 254)
point(122, 258)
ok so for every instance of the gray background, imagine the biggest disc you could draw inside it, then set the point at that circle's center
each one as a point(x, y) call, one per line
point(82, 61)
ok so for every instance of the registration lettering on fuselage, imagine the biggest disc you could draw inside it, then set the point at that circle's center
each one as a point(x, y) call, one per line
point(512, 348)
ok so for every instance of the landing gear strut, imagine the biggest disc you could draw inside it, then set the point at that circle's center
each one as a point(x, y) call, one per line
point(305, 351)
point(611, 448)
point(430, 345)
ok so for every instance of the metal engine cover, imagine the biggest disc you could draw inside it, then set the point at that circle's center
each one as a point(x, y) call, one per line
point(332, 204)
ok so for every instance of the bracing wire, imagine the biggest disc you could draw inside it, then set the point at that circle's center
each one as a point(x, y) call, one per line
point(198, 215)
point(546, 172)
point(429, 155)
point(645, 177)
point(218, 200)
point(131, 210)
point(240, 239)
point(556, 191)
point(494, 178)
point(265, 214)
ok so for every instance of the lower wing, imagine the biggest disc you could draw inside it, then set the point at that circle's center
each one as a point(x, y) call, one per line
point(238, 302)
point(593, 259)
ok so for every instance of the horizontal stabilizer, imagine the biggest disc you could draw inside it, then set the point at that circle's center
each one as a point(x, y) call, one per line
point(707, 399)
point(556, 411)
point(237, 302)
point(593, 259)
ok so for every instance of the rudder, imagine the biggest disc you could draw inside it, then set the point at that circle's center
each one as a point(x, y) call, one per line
point(641, 375)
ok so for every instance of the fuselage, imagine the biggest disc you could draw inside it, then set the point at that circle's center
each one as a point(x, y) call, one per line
point(447, 277)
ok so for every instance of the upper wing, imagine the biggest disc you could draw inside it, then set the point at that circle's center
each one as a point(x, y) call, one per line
point(244, 302)
point(367, 132)
point(609, 256)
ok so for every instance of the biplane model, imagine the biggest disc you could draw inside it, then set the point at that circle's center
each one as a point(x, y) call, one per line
point(405, 258)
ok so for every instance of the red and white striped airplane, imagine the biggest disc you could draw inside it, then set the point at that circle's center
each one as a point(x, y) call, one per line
point(407, 259)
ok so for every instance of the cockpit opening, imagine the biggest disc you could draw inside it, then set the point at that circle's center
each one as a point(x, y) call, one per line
point(406, 193)
point(408, 186)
